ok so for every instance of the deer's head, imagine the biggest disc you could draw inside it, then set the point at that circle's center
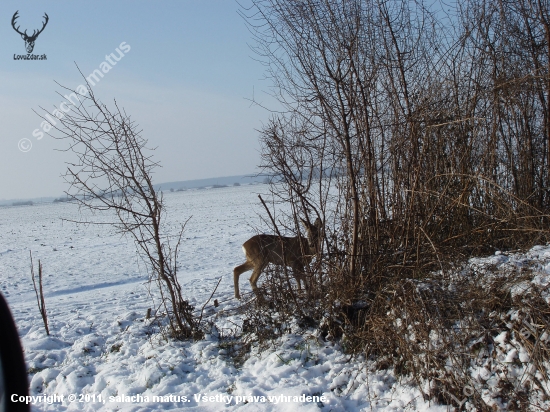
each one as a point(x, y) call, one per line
point(29, 40)
point(314, 233)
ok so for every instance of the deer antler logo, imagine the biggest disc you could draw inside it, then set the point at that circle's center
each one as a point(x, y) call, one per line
point(29, 40)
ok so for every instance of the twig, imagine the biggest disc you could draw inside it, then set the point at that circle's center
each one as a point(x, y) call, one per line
point(39, 291)
point(203, 306)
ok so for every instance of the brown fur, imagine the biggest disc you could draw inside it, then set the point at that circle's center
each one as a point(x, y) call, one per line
point(260, 250)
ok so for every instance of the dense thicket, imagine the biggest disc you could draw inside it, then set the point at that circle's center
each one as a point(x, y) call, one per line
point(418, 133)
point(432, 127)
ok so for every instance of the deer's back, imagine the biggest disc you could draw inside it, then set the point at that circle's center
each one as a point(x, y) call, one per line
point(270, 248)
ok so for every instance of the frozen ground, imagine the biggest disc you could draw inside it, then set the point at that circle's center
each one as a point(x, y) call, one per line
point(100, 345)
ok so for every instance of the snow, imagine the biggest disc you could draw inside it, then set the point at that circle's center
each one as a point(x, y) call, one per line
point(103, 349)
point(101, 345)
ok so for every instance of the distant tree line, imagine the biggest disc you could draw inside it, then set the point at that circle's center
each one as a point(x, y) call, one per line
point(23, 203)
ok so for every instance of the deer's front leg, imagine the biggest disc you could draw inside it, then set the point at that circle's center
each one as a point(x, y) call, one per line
point(299, 274)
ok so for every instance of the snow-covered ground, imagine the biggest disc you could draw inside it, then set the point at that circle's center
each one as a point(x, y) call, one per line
point(101, 350)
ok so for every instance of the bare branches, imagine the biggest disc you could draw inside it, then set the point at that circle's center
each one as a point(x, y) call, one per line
point(40, 294)
point(113, 172)
point(420, 136)
point(397, 116)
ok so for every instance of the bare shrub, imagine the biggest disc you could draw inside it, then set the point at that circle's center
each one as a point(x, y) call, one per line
point(419, 139)
point(39, 291)
point(113, 172)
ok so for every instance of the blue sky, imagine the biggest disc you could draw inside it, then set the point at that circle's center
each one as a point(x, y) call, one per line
point(186, 81)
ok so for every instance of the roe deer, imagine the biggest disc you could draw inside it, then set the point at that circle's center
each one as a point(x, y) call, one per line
point(260, 250)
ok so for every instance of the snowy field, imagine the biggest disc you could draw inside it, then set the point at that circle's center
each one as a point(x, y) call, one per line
point(101, 350)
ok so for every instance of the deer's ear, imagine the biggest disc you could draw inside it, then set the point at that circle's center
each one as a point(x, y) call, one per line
point(304, 222)
point(23, 36)
point(318, 223)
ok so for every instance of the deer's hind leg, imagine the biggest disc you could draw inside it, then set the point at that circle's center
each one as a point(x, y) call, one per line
point(246, 266)
point(258, 268)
